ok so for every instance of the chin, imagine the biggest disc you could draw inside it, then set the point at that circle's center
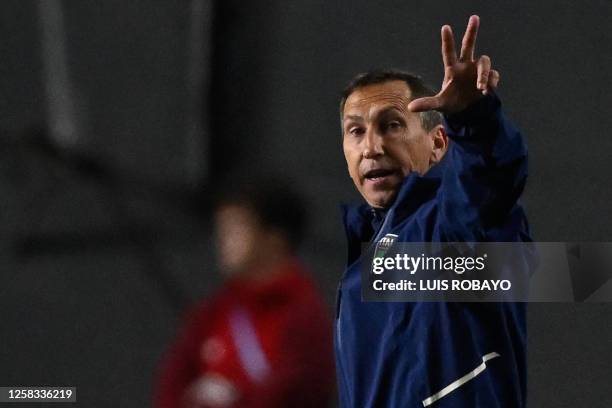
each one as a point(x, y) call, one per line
point(381, 194)
point(381, 200)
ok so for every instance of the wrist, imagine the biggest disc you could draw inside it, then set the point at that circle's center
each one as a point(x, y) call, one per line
point(476, 112)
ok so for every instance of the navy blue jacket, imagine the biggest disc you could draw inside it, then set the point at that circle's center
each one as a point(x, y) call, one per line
point(398, 354)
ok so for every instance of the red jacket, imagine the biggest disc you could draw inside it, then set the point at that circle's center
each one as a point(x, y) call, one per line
point(255, 344)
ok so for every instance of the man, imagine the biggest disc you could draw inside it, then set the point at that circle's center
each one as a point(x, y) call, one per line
point(264, 340)
point(432, 168)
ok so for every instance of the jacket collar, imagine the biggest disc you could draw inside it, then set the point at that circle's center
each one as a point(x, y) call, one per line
point(414, 192)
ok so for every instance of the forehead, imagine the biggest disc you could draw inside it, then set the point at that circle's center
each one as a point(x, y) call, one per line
point(390, 93)
point(233, 212)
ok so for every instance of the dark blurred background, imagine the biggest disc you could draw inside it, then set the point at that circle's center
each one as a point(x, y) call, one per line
point(117, 118)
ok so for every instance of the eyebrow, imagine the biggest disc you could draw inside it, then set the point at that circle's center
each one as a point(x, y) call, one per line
point(352, 117)
point(389, 110)
point(385, 111)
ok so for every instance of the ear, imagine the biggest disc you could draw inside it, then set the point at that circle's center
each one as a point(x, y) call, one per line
point(439, 140)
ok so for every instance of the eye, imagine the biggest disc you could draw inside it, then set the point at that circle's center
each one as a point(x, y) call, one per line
point(394, 125)
point(391, 126)
point(356, 130)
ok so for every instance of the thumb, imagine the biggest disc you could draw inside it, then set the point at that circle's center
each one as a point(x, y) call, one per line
point(424, 104)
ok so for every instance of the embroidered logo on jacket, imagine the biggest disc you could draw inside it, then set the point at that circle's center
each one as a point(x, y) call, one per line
point(383, 246)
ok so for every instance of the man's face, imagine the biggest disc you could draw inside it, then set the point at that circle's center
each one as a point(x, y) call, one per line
point(383, 141)
point(237, 233)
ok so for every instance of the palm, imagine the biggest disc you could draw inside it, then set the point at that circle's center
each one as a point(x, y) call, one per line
point(465, 79)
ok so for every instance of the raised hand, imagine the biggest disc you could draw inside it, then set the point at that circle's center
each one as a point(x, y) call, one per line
point(465, 79)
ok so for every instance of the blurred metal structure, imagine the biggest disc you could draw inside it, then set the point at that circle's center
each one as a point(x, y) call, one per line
point(62, 117)
point(198, 78)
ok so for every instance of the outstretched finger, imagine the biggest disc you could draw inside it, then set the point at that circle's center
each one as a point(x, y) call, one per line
point(493, 79)
point(424, 104)
point(483, 69)
point(449, 54)
point(469, 39)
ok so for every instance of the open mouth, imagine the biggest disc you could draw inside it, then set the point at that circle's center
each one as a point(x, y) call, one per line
point(378, 174)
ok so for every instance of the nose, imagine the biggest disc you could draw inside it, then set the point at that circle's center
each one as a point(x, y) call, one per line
point(373, 144)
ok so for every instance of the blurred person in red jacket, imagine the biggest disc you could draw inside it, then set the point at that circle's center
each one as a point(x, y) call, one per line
point(265, 338)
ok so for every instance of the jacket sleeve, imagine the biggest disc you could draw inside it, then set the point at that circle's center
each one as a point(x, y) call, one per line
point(178, 367)
point(303, 372)
point(484, 173)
